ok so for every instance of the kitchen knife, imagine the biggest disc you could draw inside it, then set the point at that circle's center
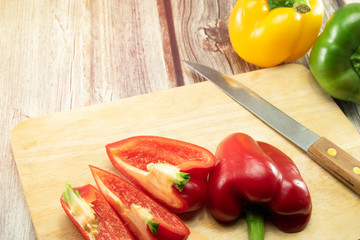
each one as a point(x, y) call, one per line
point(330, 156)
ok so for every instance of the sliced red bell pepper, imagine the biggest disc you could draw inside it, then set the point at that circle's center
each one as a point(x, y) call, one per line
point(171, 171)
point(146, 218)
point(250, 173)
point(92, 215)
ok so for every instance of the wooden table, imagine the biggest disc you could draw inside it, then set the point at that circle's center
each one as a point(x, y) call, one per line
point(57, 56)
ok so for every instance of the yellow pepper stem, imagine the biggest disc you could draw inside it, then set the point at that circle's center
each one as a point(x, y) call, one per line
point(300, 6)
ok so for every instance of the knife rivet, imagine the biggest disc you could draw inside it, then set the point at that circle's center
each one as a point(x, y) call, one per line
point(332, 152)
point(356, 170)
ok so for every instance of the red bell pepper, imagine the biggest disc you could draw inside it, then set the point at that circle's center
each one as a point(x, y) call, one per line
point(255, 175)
point(92, 215)
point(146, 218)
point(171, 171)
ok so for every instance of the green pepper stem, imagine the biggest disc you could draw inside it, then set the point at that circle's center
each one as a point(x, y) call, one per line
point(255, 222)
point(300, 6)
point(355, 61)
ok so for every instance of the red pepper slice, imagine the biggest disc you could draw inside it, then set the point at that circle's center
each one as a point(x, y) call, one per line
point(255, 173)
point(147, 161)
point(146, 218)
point(110, 226)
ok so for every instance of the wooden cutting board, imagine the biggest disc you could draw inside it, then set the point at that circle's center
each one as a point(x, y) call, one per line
point(53, 149)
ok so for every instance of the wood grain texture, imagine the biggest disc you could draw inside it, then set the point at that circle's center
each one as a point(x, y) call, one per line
point(57, 148)
point(337, 161)
point(62, 55)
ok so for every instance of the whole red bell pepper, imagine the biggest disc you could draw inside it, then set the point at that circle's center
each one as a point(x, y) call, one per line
point(253, 176)
point(171, 171)
point(147, 219)
point(92, 215)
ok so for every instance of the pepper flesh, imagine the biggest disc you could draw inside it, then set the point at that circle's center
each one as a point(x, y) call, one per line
point(171, 171)
point(255, 172)
point(267, 38)
point(147, 219)
point(335, 56)
point(110, 226)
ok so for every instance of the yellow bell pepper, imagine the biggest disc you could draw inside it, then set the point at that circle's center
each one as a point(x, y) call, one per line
point(267, 38)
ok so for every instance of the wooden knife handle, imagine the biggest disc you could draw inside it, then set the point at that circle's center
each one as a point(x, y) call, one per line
point(337, 161)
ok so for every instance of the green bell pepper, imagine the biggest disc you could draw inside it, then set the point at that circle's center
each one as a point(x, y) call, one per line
point(335, 56)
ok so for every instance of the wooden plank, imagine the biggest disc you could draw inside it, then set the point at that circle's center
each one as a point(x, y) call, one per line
point(202, 36)
point(84, 53)
point(53, 149)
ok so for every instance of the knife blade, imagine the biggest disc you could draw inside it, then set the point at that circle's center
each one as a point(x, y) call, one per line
point(327, 154)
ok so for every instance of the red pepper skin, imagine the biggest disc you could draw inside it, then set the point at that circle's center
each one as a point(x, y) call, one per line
point(111, 226)
point(293, 196)
point(139, 151)
point(257, 172)
point(122, 194)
